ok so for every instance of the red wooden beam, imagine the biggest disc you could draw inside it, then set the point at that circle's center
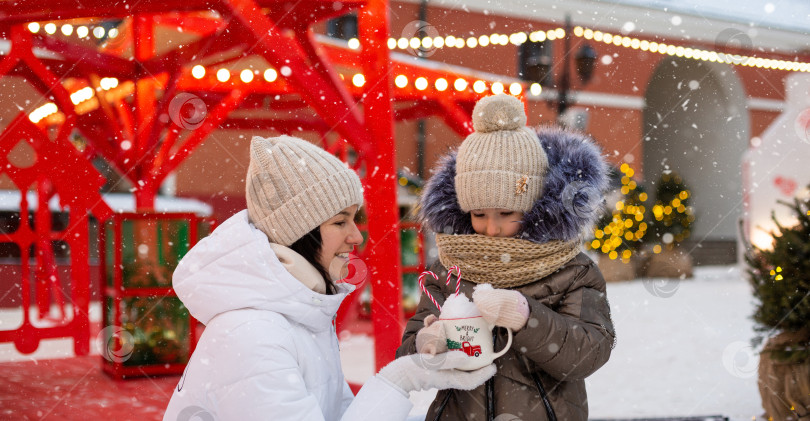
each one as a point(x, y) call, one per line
point(328, 99)
point(383, 214)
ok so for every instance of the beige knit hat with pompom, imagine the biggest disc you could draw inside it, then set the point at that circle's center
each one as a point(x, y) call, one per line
point(293, 186)
point(501, 164)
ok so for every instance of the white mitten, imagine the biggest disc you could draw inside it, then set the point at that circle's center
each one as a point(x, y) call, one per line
point(424, 371)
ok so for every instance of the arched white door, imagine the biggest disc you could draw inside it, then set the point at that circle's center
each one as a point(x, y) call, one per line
point(696, 124)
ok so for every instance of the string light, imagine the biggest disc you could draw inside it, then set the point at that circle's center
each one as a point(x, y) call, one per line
point(358, 80)
point(50, 28)
point(421, 83)
point(497, 88)
point(33, 27)
point(44, 111)
point(223, 75)
point(515, 88)
point(98, 32)
point(82, 32)
point(401, 81)
point(81, 95)
point(441, 84)
point(479, 86)
point(270, 75)
point(519, 38)
point(246, 75)
point(460, 84)
point(67, 29)
point(354, 43)
point(198, 72)
point(108, 83)
point(536, 89)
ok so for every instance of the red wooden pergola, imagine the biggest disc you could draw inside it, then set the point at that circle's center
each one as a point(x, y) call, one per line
point(163, 105)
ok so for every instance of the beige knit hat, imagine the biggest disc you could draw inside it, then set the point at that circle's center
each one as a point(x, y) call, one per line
point(501, 164)
point(293, 186)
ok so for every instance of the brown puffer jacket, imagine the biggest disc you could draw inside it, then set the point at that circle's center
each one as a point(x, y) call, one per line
point(568, 336)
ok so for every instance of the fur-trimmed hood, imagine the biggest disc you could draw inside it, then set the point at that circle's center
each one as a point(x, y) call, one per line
point(571, 201)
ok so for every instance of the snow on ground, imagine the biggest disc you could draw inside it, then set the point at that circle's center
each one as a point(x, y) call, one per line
point(683, 349)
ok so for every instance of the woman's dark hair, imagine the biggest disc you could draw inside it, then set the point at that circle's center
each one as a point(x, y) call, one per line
point(309, 246)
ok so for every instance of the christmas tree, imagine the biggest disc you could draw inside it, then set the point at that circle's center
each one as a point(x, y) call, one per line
point(672, 215)
point(781, 280)
point(620, 232)
point(451, 344)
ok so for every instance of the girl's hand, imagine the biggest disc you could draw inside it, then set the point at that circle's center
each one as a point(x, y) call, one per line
point(501, 307)
point(431, 339)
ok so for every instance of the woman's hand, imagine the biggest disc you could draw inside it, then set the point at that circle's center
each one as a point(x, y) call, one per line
point(501, 307)
point(431, 339)
point(424, 371)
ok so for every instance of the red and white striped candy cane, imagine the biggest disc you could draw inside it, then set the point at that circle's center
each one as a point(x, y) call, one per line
point(458, 277)
point(422, 285)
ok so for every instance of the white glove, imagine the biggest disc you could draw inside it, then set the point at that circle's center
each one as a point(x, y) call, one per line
point(425, 371)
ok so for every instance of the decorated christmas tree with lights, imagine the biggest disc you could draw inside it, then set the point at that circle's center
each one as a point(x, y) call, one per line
point(619, 233)
point(672, 215)
point(781, 280)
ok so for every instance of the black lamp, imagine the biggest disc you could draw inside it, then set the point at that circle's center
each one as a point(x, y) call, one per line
point(585, 61)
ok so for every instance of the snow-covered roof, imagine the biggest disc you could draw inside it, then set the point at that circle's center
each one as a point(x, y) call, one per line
point(118, 202)
point(766, 25)
point(789, 15)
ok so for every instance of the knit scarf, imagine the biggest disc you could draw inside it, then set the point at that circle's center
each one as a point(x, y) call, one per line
point(503, 262)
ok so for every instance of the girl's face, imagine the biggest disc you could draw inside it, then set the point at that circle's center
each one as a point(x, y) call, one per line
point(494, 222)
point(339, 235)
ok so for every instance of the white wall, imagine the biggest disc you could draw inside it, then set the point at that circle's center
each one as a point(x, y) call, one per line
point(696, 123)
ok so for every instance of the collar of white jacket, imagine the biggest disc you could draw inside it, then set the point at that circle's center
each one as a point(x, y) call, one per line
point(236, 267)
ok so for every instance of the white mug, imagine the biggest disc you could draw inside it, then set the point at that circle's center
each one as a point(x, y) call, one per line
point(473, 335)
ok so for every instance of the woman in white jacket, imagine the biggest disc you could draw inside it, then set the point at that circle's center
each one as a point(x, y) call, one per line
point(262, 283)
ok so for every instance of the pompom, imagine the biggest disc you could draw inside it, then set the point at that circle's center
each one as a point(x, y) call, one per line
point(498, 112)
point(483, 287)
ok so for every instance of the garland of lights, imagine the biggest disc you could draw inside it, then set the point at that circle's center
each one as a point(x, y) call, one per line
point(450, 41)
point(517, 38)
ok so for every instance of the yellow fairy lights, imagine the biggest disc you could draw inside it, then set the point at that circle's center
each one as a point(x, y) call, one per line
point(627, 225)
point(777, 274)
point(519, 38)
point(77, 97)
point(672, 215)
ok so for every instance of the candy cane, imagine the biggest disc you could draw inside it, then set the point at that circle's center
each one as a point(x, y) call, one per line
point(422, 284)
point(458, 278)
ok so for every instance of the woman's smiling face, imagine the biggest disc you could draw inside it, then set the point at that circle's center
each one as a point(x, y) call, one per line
point(496, 222)
point(339, 236)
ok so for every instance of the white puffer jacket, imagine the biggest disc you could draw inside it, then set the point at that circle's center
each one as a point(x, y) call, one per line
point(269, 350)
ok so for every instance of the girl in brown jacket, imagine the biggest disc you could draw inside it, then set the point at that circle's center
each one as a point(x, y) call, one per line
point(510, 209)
